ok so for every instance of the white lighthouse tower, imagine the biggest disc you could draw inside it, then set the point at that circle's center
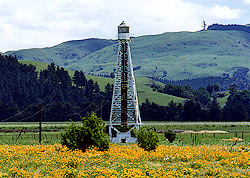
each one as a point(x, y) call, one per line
point(124, 115)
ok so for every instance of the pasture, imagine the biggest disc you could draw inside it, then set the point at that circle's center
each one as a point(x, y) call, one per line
point(27, 132)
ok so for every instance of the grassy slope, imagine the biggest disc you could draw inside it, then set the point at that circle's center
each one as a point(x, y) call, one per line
point(39, 65)
point(142, 84)
point(64, 53)
point(222, 101)
point(182, 54)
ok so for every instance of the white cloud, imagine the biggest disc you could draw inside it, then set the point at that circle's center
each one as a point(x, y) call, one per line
point(246, 1)
point(224, 12)
point(40, 23)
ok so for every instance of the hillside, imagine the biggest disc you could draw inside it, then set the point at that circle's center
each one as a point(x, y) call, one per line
point(64, 53)
point(143, 86)
point(173, 56)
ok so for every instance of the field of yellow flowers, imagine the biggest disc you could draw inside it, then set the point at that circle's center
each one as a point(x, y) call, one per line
point(125, 161)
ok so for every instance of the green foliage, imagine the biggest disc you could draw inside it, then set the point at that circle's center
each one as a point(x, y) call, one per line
point(142, 84)
point(237, 106)
point(192, 111)
point(170, 135)
point(134, 133)
point(180, 91)
point(90, 133)
point(147, 139)
point(215, 111)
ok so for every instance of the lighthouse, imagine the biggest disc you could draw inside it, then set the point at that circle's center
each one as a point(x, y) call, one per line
point(124, 115)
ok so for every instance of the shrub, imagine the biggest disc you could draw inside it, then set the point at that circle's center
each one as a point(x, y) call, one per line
point(134, 133)
point(170, 135)
point(90, 133)
point(147, 139)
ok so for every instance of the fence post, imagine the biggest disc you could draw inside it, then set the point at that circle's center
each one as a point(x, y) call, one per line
point(40, 125)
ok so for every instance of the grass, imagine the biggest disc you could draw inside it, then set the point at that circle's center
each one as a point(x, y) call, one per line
point(50, 137)
point(222, 101)
point(29, 138)
point(39, 65)
point(182, 55)
point(181, 138)
point(197, 126)
point(207, 139)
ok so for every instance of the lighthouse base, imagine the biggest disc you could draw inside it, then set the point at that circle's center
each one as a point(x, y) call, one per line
point(123, 137)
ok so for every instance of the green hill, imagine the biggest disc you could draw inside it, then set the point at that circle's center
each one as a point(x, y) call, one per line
point(143, 86)
point(64, 53)
point(173, 56)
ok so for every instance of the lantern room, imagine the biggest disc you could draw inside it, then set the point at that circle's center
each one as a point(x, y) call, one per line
point(123, 31)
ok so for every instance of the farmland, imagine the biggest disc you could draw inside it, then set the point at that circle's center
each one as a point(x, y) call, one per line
point(192, 154)
point(10, 132)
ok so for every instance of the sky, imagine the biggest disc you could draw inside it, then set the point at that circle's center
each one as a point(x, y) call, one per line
point(45, 23)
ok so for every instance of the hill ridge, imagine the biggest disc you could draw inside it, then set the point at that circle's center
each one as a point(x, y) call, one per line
point(170, 55)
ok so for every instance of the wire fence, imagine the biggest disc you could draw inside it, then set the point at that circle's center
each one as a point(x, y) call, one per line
point(29, 138)
point(44, 109)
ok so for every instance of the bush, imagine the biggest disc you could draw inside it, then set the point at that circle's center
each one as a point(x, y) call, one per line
point(147, 139)
point(170, 135)
point(90, 133)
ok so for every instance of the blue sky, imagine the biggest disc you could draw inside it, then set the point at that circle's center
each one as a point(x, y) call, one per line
point(44, 23)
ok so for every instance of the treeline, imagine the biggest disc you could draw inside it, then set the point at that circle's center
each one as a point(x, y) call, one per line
point(229, 27)
point(23, 91)
point(202, 95)
point(193, 83)
point(239, 77)
point(237, 108)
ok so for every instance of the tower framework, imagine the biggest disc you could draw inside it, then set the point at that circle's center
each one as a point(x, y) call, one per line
point(124, 115)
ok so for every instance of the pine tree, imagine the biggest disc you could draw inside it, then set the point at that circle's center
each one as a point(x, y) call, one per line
point(215, 111)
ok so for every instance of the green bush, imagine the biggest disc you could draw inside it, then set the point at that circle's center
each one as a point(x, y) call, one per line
point(134, 133)
point(170, 135)
point(147, 138)
point(90, 133)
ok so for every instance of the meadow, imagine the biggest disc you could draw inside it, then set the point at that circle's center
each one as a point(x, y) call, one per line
point(27, 132)
point(125, 161)
point(192, 154)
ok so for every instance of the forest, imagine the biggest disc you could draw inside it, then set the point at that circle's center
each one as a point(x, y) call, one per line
point(229, 27)
point(201, 105)
point(23, 90)
point(24, 93)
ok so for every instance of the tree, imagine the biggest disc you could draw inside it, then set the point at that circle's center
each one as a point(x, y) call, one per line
point(112, 75)
point(174, 112)
point(232, 89)
point(21, 86)
point(90, 133)
point(202, 96)
point(79, 79)
point(90, 87)
point(108, 91)
point(147, 139)
point(192, 111)
point(237, 106)
point(215, 112)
